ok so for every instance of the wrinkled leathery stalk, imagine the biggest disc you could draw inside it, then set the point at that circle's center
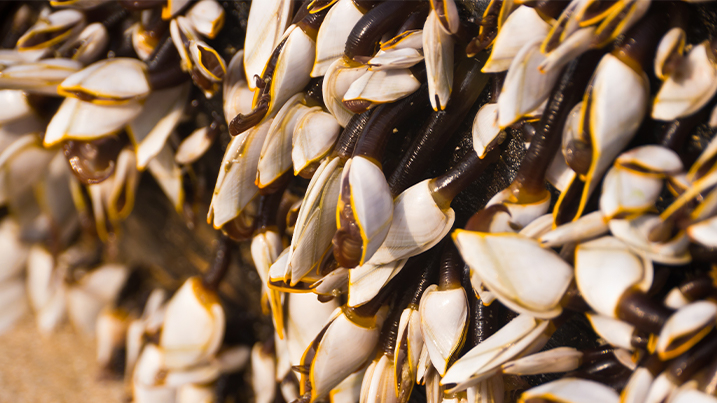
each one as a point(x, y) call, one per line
point(405, 200)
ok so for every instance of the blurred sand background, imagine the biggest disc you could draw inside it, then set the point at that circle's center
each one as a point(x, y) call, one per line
point(55, 368)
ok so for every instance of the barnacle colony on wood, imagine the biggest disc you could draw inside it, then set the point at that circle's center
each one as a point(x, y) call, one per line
point(561, 250)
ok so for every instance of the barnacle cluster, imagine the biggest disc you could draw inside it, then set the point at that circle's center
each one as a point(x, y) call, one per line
point(559, 249)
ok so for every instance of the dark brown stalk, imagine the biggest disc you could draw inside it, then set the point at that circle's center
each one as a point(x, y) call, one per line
point(446, 187)
point(698, 288)
point(639, 45)
point(389, 332)
point(243, 122)
point(163, 54)
point(414, 21)
point(302, 12)
point(451, 268)
point(529, 184)
point(654, 364)
point(139, 5)
point(643, 312)
point(311, 22)
point(163, 65)
point(496, 86)
point(592, 355)
point(683, 367)
point(674, 134)
point(640, 339)
point(349, 136)
point(111, 15)
point(428, 274)
point(440, 126)
point(219, 267)
point(485, 320)
point(314, 91)
point(268, 206)
point(574, 300)
point(363, 39)
point(488, 29)
point(608, 370)
point(548, 8)
point(121, 39)
point(374, 137)
point(366, 5)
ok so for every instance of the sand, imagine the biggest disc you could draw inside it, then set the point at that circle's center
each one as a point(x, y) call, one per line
point(52, 369)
